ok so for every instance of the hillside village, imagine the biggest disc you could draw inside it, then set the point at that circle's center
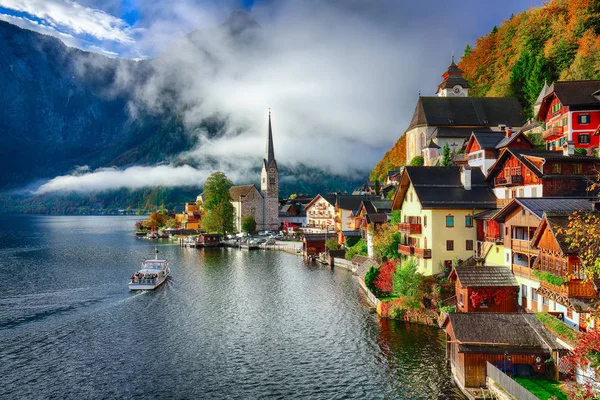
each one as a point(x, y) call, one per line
point(485, 205)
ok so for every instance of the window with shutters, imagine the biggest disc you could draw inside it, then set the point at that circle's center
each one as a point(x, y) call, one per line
point(450, 245)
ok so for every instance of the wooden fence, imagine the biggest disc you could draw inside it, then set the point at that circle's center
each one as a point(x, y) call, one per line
point(508, 384)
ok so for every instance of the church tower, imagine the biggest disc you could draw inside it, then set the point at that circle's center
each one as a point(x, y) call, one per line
point(453, 85)
point(269, 185)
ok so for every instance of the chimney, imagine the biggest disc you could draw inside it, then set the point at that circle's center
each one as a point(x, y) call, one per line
point(465, 176)
point(569, 148)
point(508, 132)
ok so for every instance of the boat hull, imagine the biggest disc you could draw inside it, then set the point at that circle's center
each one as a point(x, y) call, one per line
point(147, 286)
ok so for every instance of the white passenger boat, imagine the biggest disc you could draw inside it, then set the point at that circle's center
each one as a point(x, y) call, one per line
point(152, 275)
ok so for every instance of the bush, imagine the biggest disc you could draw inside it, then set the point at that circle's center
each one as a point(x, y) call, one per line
point(417, 161)
point(448, 309)
point(408, 284)
point(385, 280)
point(351, 241)
point(370, 278)
point(583, 152)
point(549, 278)
point(249, 224)
point(331, 244)
point(557, 326)
point(360, 249)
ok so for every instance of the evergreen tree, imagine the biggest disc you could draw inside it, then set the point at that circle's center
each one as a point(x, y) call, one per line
point(446, 157)
point(377, 187)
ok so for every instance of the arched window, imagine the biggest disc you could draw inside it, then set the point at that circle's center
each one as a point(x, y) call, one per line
point(423, 139)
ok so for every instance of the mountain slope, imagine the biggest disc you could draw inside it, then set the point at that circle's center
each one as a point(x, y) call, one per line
point(559, 41)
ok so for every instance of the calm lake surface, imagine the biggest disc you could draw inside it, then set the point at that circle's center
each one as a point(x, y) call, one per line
point(228, 324)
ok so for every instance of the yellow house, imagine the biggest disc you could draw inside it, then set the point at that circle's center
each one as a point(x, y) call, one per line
point(191, 218)
point(437, 206)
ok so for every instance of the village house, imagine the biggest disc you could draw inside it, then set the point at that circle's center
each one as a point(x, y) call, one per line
point(540, 173)
point(519, 221)
point(482, 148)
point(263, 205)
point(437, 205)
point(575, 297)
point(571, 111)
point(372, 214)
point(346, 211)
point(320, 212)
point(191, 217)
point(515, 342)
point(451, 117)
point(292, 215)
point(485, 289)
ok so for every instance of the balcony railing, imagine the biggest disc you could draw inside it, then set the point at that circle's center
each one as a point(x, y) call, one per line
point(509, 180)
point(574, 288)
point(406, 250)
point(522, 246)
point(524, 271)
point(411, 229)
point(553, 133)
point(494, 238)
point(422, 253)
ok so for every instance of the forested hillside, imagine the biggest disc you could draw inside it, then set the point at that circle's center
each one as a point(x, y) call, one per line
point(559, 41)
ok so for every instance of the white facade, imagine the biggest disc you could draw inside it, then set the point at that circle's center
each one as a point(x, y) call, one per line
point(528, 191)
point(477, 159)
point(320, 213)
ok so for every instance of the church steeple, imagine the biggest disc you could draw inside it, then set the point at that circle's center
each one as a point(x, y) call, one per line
point(453, 83)
point(269, 160)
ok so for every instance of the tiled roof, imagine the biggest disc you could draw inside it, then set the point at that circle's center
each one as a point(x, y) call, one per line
point(467, 111)
point(499, 331)
point(349, 202)
point(382, 206)
point(506, 140)
point(576, 93)
point(459, 133)
point(238, 191)
point(488, 140)
point(380, 218)
point(355, 233)
point(441, 187)
point(538, 205)
point(316, 237)
point(485, 276)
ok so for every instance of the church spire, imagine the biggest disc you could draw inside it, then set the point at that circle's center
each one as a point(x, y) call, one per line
point(269, 151)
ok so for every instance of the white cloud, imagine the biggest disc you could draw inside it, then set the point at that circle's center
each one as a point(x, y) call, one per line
point(84, 180)
point(75, 18)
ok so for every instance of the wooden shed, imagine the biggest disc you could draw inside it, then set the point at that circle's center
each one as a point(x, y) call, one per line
point(485, 289)
point(314, 244)
point(512, 341)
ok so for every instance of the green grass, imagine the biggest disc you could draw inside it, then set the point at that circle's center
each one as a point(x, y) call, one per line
point(544, 389)
point(388, 298)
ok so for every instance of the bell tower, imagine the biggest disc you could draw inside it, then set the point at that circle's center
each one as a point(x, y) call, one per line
point(453, 85)
point(269, 184)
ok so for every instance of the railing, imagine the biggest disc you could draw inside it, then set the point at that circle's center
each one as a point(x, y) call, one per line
point(493, 238)
point(509, 180)
point(406, 250)
point(508, 384)
point(573, 288)
point(524, 271)
point(522, 246)
point(422, 253)
point(408, 228)
point(553, 132)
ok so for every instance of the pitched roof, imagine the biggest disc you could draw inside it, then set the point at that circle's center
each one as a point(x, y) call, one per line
point(488, 140)
point(526, 156)
point(378, 218)
point(467, 112)
point(432, 145)
point(269, 160)
point(328, 197)
point(238, 191)
point(491, 332)
point(485, 276)
point(453, 76)
point(555, 222)
point(441, 187)
point(506, 140)
point(350, 202)
point(576, 93)
point(538, 205)
point(382, 205)
point(459, 133)
point(316, 237)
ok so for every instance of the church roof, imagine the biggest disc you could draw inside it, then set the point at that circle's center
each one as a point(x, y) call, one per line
point(452, 77)
point(240, 191)
point(467, 112)
point(269, 160)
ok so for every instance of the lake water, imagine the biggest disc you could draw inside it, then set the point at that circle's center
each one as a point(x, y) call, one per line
point(228, 324)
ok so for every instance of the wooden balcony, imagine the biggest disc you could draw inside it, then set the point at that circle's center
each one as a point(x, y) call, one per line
point(522, 246)
point(423, 253)
point(410, 229)
point(406, 250)
point(574, 288)
point(509, 180)
point(524, 272)
point(553, 133)
point(493, 238)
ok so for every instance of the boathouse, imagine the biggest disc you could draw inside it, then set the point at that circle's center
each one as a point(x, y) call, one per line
point(209, 239)
point(314, 243)
point(516, 343)
point(485, 289)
